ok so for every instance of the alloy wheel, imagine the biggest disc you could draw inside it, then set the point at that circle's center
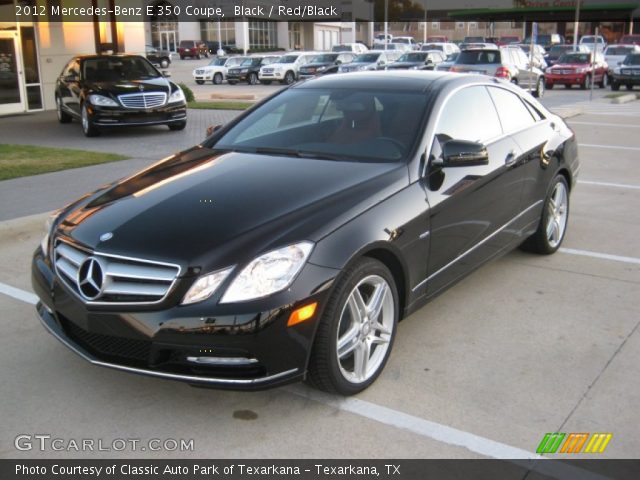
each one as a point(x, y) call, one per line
point(557, 215)
point(85, 120)
point(365, 329)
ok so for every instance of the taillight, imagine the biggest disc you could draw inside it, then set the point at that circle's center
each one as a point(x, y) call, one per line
point(503, 72)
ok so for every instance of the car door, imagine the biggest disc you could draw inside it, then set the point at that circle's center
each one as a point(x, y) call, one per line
point(470, 206)
point(69, 86)
point(530, 131)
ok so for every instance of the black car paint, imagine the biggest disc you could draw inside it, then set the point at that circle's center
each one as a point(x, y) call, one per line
point(73, 92)
point(419, 227)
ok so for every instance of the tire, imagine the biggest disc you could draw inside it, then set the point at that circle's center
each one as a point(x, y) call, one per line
point(615, 86)
point(539, 91)
point(199, 82)
point(629, 87)
point(289, 78)
point(252, 79)
point(547, 238)
point(549, 86)
point(63, 117)
point(177, 126)
point(605, 81)
point(363, 339)
point(164, 63)
point(217, 79)
point(265, 82)
point(88, 128)
point(586, 83)
point(231, 82)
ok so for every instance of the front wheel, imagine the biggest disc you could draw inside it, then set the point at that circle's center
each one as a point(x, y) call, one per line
point(357, 329)
point(629, 87)
point(605, 81)
point(252, 79)
point(289, 78)
point(615, 86)
point(88, 128)
point(553, 221)
point(586, 83)
point(217, 79)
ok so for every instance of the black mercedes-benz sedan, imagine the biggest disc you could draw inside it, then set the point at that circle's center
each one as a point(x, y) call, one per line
point(289, 243)
point(105, 91)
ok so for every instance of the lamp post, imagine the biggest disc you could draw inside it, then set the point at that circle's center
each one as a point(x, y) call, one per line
point(576, 23)
point(386, 22)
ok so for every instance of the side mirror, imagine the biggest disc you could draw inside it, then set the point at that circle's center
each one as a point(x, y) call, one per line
point(166, 73)
point(461, 153)
point(211, 129)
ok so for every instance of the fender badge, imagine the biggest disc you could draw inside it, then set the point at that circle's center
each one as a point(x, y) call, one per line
point(106, 236)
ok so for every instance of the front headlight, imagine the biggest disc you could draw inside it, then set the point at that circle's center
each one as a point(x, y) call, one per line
point(102, 101)
point(269, 273)
point(205, 286)
point(177, 96)
point(244, 70)
point(48, 226)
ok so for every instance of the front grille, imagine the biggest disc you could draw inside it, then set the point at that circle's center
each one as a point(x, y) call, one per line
point(115, 279)
point(267, 70)
point(629, 71)
point(199, 72)
point(107, 346)
point(143, 100)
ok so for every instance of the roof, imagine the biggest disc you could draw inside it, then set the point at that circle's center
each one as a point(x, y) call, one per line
point(406, 80)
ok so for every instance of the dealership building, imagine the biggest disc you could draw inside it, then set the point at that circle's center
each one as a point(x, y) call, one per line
point(36, 41)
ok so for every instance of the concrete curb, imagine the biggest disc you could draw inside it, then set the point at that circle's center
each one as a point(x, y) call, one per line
point(570, 112)
point(629, 97)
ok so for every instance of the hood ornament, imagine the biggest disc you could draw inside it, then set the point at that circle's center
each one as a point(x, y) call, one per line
point(141, 88)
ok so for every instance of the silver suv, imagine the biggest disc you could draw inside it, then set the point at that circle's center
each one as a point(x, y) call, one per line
point(509, 63)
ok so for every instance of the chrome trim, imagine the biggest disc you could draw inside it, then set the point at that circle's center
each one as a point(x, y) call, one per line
point(484, 240)
point(152, 373)
point(424, 235)
point(109, 286)
point(146, 100)
point(135, 124)
point(222, 360)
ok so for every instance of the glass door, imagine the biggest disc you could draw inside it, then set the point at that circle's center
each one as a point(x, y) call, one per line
point(11, 100)
point(168, 41)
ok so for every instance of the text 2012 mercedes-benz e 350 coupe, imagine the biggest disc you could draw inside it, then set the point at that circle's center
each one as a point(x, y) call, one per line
point(289, 244)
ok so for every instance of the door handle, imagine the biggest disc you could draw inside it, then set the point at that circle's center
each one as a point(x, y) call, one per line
point(511, 158)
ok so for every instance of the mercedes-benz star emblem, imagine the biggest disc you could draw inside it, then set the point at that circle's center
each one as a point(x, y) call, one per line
point(141, 88)
point(90, 278)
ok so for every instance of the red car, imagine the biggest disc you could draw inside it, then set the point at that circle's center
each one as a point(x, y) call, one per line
point(630, 39)
point(578, 68)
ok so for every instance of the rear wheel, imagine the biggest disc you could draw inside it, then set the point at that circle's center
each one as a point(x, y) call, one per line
point(252, 79)
point(604, 82)
point(357, 329)
point(629, 87)
point(539, 91)
point(88, 128)
point(217, 79)
point(553, 221)
point(63, 117)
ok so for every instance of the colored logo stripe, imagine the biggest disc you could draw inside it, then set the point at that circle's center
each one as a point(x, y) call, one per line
point(574, 443)
point(598, 443)
point(550, 443)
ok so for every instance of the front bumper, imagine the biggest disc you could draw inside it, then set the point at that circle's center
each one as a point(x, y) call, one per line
point(112, 116)
point(271, 76)
point(163, 340)
point(565, 79)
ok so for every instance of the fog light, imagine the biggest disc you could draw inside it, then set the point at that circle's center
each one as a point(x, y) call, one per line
point(301, 314)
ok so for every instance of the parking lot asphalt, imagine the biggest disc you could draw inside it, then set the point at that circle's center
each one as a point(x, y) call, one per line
point(524, 346)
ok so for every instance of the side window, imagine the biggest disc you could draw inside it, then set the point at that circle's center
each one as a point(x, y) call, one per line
point(469, 115)
point(513, 114)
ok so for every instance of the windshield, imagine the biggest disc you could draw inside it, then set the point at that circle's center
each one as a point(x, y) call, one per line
point(335, 124)
point(618, 51)
point(366, 58)
point(401, 40)
point(632, 59)
point(591, 40)
point(413, 57)
point(341, 48)
point(575, 58)
point(114, 69)
point(453, 57)
point(288, 59)
point(475, 57)
point(326, 58)
point(217, 62)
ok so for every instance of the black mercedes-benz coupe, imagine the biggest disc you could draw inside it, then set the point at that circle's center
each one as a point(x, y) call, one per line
point(289, 243)
point(105, 91)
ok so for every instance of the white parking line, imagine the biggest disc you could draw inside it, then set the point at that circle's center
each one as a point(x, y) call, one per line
point(604, 256)
point(598, 124)
point(608, 184)
point(18, 294)
point(615, 147)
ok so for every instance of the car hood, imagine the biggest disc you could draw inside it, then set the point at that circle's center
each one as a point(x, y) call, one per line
point(131, 86)
point(204, 208)
point(406, 64)
point(572, 65)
